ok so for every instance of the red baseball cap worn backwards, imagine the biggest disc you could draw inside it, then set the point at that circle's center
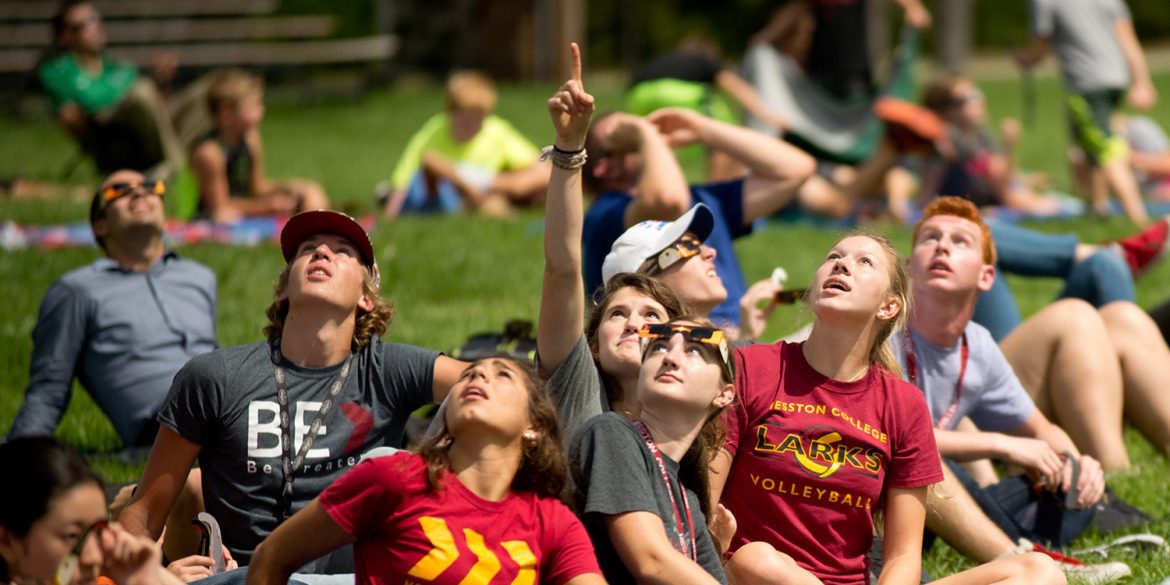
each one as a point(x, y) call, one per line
point(325, 221)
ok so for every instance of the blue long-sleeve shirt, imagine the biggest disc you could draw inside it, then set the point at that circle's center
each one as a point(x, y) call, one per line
point(123, 335)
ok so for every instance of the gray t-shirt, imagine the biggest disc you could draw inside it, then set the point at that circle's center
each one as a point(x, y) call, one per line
point(226, 402)
point(992, 394)
point(1082, 35)
point(1144, 135)
point(614, 472)
point(575, 387)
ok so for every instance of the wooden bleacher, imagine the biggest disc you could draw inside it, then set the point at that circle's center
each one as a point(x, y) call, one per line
point(202, 33)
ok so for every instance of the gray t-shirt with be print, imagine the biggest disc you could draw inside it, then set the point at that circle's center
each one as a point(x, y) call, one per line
point(226, 402)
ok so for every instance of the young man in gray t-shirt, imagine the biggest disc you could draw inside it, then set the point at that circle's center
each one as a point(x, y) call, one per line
point(1100, 60)
point(274, 422)
point(963, 373)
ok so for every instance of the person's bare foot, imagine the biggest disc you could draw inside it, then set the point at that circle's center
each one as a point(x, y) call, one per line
point(496, 205)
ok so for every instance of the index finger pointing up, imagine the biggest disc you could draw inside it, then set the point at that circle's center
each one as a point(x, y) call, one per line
point(576, 62)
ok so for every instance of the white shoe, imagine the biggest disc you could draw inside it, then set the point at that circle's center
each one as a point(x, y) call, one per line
point(1097, 574)
point(1077, 570)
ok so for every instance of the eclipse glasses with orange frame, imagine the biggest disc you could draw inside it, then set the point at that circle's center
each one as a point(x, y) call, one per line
point(681, 249)
point(115, 191)
point(707, 335)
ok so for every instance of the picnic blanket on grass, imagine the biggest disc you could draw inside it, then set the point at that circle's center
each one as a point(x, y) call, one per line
point(249, 232)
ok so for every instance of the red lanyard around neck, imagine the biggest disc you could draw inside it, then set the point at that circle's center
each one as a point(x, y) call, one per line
point(944, 421)
point(680, 531)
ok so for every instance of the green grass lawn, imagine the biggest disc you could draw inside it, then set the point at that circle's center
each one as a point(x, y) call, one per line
point(456, 275)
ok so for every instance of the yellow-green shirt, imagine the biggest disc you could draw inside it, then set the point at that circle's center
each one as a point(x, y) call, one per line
point(497, 147)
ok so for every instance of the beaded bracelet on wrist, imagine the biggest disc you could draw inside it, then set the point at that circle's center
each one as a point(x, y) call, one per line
point(565, 160)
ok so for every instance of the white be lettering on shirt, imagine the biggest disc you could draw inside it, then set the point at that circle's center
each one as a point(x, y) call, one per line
point(264, 428)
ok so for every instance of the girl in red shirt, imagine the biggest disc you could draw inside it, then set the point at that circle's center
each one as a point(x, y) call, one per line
point(480, 501)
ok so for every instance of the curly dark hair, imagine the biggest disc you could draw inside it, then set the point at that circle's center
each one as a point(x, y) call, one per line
point(640, 283)
point(368, 325)
point(543, 468)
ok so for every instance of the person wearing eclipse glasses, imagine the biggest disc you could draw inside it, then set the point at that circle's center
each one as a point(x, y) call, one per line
point(641, 482)
point(123, 324)
point(636, 178)
point(600, 380)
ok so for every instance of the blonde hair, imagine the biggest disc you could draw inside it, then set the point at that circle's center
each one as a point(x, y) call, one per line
point(880, 352)
point(232, 86)
point(471, 90)
point(367, 326)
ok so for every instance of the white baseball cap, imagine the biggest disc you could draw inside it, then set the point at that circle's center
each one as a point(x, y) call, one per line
point(646, 239)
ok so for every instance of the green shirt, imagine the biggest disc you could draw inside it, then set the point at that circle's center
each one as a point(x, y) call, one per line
point(497, 147)
point(67, 83)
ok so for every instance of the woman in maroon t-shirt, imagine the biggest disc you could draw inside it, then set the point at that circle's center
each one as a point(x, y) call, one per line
point(826, 433)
